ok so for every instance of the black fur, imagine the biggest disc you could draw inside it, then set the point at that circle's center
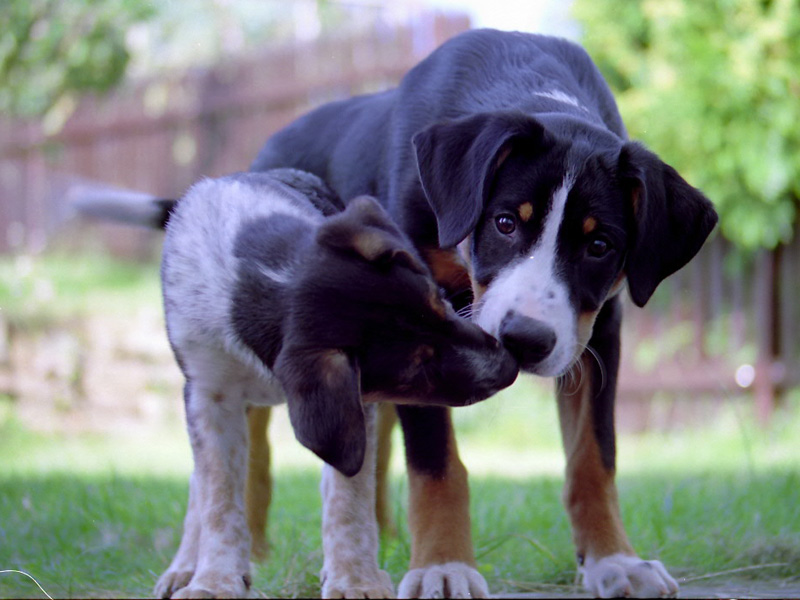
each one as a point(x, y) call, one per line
point(276, 243)
point(606, 342)
point(468, 148)
point(425, 433)
point(671, 221)
point(461, 106)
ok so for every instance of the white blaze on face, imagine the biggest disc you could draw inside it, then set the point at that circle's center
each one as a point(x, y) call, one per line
point(532, 287)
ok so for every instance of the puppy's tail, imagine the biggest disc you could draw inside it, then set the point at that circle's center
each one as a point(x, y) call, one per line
point(123, 206)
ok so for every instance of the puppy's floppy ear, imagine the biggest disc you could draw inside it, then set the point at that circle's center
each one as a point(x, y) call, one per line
point(457, 161)
point(324, 397)
point(671, 220)
point(366, 230)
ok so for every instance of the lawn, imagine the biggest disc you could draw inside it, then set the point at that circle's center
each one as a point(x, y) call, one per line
point(98, 515)
point(95, 516)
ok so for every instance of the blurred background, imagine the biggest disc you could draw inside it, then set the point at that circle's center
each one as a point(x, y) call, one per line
point(151, 96)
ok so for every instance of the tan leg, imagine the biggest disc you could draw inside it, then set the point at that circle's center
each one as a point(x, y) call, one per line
point(387, 417)
point(590, 494)
point(438, 514)
point(258, 490)
point(442, 558)
point(586, 411)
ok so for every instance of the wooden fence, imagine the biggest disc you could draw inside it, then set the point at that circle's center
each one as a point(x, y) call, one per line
point(725, 325)
point(162, 134)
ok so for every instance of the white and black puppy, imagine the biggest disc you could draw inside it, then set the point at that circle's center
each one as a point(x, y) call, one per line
point(267, 298)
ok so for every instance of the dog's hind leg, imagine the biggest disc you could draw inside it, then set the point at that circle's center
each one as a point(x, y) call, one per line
point(586, 411)
point(350, 529)
point(442, 558)
point(387, 418)
point(258, 490)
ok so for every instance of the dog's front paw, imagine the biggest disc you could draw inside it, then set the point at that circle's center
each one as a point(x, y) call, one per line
point(171, 581)
point(377, 585)
point(623, 576)
point(450, 580)
point(193, 591)
point(215, 585)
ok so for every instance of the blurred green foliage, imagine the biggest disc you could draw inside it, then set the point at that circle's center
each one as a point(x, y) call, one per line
point(714, 87)
point(53, 49)
point(39, 291)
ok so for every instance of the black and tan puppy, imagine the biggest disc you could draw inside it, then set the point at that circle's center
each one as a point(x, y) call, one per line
point(504, 158)
point(268, 300)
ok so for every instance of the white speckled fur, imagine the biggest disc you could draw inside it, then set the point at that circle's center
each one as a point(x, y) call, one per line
point(223, 377)
point(350, 531)
point(183, 565)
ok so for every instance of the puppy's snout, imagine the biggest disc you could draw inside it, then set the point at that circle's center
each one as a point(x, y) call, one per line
point(529, 340)
point(480, 365)
point(508, 367)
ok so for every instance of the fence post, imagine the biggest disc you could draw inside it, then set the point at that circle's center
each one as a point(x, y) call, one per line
point(787, 346)
point(764, 386)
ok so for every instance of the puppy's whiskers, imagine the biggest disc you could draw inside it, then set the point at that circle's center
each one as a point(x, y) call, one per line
point(600, 364)
point(465, 312)
point(574, 378)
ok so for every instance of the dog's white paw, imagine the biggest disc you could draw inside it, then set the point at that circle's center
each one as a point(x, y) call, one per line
point(623, 576)
point(193, 591)
point(348, 585)
point(171, 581)
point(450, 580)
point(215, 585)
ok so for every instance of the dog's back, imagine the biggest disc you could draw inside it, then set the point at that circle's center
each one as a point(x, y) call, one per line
point(487, 70)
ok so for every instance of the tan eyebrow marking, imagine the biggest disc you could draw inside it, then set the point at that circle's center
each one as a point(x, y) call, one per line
point(525, 211)
point(502, 156)
point(589, 225)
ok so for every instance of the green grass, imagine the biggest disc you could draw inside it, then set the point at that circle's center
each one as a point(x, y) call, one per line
point(94, 516)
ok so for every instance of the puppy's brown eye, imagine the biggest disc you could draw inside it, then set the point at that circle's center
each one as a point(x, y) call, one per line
point(598, 248)
point(506, 224)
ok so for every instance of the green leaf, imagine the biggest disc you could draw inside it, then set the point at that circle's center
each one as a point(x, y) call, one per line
point(714, 88)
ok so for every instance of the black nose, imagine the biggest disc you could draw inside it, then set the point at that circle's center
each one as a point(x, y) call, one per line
point(529, 340)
